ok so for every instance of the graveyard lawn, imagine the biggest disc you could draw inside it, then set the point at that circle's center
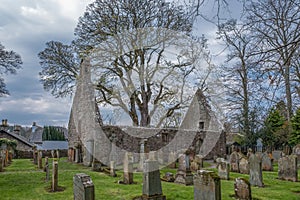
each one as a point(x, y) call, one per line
point(23, 180)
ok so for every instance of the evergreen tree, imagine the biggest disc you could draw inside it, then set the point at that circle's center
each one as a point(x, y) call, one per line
point(53, 133)
point(275, 130)
point(295, 134)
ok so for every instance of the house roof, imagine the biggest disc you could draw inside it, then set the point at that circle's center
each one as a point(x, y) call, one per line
point(18, 137)
point(53, 145)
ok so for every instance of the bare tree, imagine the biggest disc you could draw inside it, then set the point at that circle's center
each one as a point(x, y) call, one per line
point(144, 57)
point(10, 61)
point(277, 23)
point(240, 74)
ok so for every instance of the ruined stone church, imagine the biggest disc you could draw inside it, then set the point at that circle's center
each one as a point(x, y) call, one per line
point(91, 141)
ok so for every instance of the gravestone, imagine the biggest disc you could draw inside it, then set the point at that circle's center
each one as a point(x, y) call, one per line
point(267, 162)
point(259, 145)
point(234, 162)
point(40, 159)
point(46, 168)
point(207, 185)
point(55, 176)
point(296, 151)
point(152, 189)
point(256, 178)
point(83, 187)
point(244, 165)
point(128, 169)
point(1, 163)
point(184, 174)
point(242, 189)
point(287, 168)
point(57, 154)
point(96, 165)
point(223, 170)
point(276, 155)
point(35, 157)
point(197, 163)
point(112, 169)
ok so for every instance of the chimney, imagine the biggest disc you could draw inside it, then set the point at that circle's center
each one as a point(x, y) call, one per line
point(33, 128)
point(17, 129)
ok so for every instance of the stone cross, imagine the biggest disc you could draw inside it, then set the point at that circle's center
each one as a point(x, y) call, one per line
point(83, 187)
point(207, 185)
point(151, 181)
point(256, 178)
point(287, 168)
point(242, 189)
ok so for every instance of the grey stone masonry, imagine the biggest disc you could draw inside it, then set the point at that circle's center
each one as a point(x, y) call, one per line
point(242, 189)
point(151, 181)
point(256, 178)
point(83, 187)
point(184, 174)
point(287, 168)
point(207, 186)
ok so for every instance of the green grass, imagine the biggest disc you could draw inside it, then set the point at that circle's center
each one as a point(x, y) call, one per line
point(22, 180)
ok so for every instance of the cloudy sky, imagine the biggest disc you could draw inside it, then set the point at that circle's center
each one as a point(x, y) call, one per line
point(25, 27)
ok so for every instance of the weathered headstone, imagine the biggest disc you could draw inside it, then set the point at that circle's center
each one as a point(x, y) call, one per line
point(207, 185)
point(223, 170)
point(112, 169)
point(35, 157)
point(53, 153)
point(89, 153)
point(128, 169)
point(1, 163)
point(83, 187)
point(267, 162)
point(184, 174)
point(287, 168)
point(256, 178)
point(40, 159)
point(46, 168)
point(244, 165)
point(54, 176)
point(96, 165)
point(57, 154)
point(242, 189)
point(296, 151)
point(234, 162)
point(197, 163)
point(152, 189)
point(276, 155)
